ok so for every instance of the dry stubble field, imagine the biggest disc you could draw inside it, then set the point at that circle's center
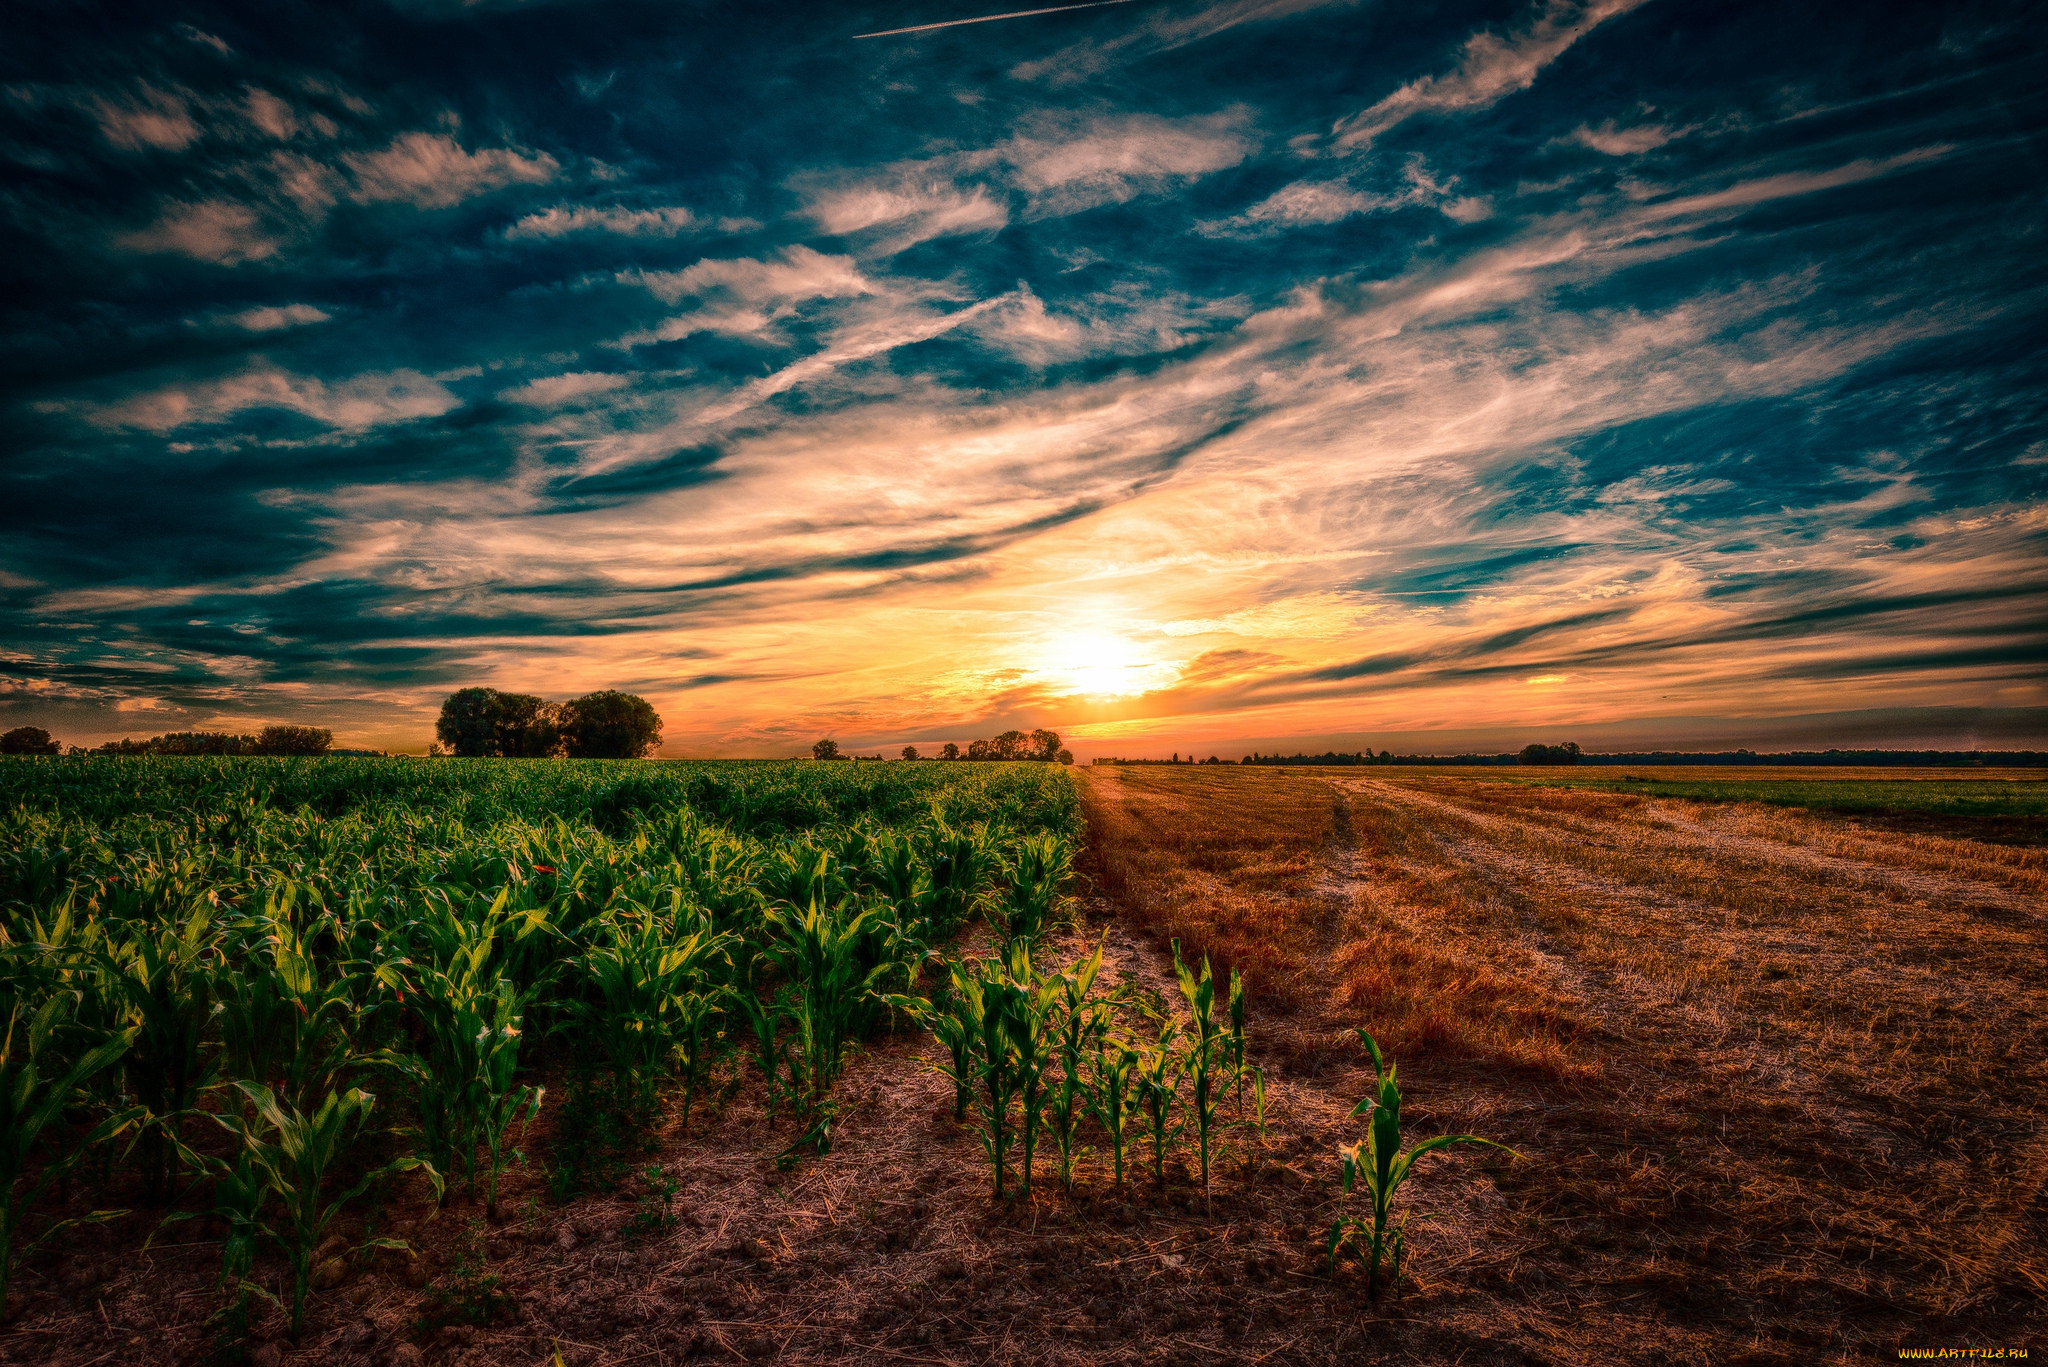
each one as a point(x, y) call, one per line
point(1777, 1076)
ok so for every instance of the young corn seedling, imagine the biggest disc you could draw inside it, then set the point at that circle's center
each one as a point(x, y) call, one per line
point(292, 1155)
point(985, 1003)
point(501, 1096)
point(764, 1013)
point(696, 1037)
point(166, 978)
point(463, 1079)
point(1035, 898)
point(951, 1018)
point(1031, 1020)
point(1112, 1100)
point(37, 1082)
point(959, 863)
point(284, 1017)
point(641, 970)
point(1159, 1093)
point(1236, 1040)
point(818, 949)
point(1206, 1057)
point(1080, 1023)
point(1379, 1165)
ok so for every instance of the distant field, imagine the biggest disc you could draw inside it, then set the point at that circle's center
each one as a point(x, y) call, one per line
point(1977, 793)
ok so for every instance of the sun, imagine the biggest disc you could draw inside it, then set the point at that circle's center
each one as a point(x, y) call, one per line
point(1099, 665)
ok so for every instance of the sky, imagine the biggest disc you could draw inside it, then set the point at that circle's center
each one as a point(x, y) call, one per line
point(1182, 375)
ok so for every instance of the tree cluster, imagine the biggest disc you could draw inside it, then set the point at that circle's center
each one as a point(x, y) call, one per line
point(482, 722)
point(1568, 753)
point(271, 740)
point(27, 740)
point(1040, 745)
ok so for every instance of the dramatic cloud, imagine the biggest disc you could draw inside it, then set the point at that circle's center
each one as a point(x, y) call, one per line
point(216, 230)
point(359, 402)
point(1491, 67)
point(274, 318)
point(433, 171)
point(566, 220)
point(1175, 375)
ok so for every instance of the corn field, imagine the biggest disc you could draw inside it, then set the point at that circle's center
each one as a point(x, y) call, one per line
point(256, 990)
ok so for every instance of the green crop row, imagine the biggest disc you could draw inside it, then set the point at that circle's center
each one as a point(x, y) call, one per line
point(210, 969)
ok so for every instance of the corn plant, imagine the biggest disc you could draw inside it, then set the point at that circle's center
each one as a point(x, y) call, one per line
point(167, 979)
point(1206, 1060)
point(464, 1081)
point(502, 1097)
point(1112, 1084)
point(37, 1083)
point(1035, 897)
point(641, 971)
point(696, 1036)
point(1379, 1164)
point(285, 1018)
point(951, 1018)
point(1158, 1076)
point(818, 948)
point(981, 1008)
point(764, 1014)
point(291, 1155)
point(1031, 1011)
point(1235, 1055)
point(959, 862)
point(1079, 1025)
point(160, 979)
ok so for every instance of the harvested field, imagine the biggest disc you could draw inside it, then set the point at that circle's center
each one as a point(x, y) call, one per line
point(1777, 1075)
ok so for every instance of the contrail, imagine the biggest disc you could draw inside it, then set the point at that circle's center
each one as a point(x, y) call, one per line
point(990, 18)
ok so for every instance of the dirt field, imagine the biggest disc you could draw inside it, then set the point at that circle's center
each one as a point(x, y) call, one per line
point(1777, 1079)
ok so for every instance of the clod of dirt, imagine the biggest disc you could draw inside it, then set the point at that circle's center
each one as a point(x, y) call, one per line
point(266, 1356)
point(407, 1355)
point(329, 1274)
point(565, 1239)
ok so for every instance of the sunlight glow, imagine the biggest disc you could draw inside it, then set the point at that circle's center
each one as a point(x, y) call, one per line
point(1100, 665)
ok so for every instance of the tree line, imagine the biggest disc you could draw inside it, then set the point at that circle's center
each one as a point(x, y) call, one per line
point(1040, 745)
point(271, 740)
point(485, 723)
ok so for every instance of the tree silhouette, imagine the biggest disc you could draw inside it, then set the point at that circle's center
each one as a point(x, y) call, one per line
point(825, 749)
point(1568, 753)
point(27, 740)
point(609, 725)
point(1045, 745)
point(469, 722)
point(527, 727)
point(910, 752)
point(949, 751)
point(294, 740)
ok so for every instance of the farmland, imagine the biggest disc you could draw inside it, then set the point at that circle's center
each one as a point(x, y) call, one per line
point(690, 1050)
point(1783, 1068)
